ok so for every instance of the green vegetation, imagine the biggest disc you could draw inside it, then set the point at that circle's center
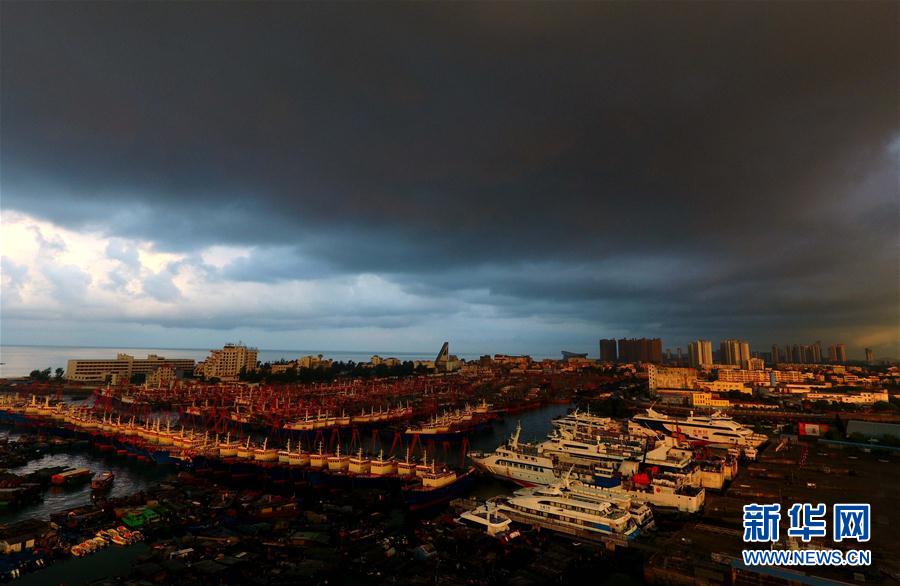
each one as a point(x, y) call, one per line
point(330, 372)
point(41, 375)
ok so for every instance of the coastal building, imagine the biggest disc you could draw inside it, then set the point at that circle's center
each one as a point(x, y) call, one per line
point(122, 367)
point(700, 354)
point(446, 362)
point(161, 378)
point(227, 363)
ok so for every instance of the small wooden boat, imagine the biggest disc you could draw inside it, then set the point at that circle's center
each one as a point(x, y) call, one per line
point(102, 481)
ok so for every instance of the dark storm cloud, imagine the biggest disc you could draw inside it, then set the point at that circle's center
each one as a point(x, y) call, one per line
point(681, 168)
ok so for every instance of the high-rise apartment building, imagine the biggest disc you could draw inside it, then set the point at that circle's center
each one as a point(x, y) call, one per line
point(870, 356)
point(736, 352)
point(841, 353)
point(227, 363)
point(837, 354)
point(700, 353)
point(816, 353)
point(640, 350)
point(776, 354)
point(608, 351)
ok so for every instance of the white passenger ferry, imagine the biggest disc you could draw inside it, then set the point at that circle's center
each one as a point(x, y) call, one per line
point(716, 429)
point(561, 511)
point(520, 462)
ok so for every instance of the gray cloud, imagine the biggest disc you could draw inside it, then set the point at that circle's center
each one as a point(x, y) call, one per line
point(13, 277)
point(161, 286)
point(68, 284)
point(639, 168)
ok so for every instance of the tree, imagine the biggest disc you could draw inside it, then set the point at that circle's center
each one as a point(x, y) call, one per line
point(41, 375)
point(59, 373)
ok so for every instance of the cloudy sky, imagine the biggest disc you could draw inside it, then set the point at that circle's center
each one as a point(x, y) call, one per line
point(510, 177)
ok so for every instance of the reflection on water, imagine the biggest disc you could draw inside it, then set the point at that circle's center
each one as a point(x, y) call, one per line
point(131, 477)
point(535, 427)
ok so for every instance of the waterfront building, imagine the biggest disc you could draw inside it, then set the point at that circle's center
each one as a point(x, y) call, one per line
point(446, 362)
point(640, 350)
point(121, 368)
point(736, 352)
point(227, 363)
point(608, 352)
point(700, 354)
point(162, 377)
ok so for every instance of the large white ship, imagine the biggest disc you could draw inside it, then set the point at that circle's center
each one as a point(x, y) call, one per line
point(520, 462)
point(716, 429)
point(586, 426)
point(581, 515)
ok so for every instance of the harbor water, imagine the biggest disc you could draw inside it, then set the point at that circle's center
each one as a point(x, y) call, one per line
point(132, 477)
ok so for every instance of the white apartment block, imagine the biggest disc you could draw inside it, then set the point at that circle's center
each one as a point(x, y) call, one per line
point(227, 363)
point(121, 368)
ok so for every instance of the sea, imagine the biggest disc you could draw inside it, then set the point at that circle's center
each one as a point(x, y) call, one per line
point(20, 360)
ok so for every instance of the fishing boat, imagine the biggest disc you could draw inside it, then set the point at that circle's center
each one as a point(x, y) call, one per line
point(337, 462)
point(307, 423)
point(298, 458)
point(228, 448)
point(406, 468)
point(71, 476)
point(102, 481)
point(359, 464)
point(265, 454)
point(451, 424)
point(381, 467)
point(318, 460)
point(284, 456)
point(245, 452)
point(437, 487)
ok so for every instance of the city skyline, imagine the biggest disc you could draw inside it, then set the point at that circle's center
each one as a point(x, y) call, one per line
point(315, 178)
